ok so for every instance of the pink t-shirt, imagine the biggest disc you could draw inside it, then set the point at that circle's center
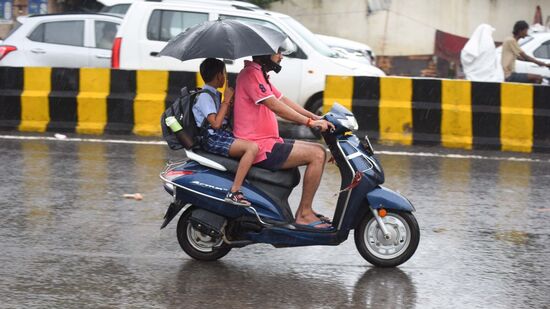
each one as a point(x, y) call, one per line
point(254, 121)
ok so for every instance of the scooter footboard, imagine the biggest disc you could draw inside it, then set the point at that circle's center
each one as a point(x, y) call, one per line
point(383, 197)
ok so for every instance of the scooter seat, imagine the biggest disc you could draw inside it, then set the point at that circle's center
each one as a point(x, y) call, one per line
point(288, 178)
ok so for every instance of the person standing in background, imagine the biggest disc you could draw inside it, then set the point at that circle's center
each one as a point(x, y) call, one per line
point(512, 51)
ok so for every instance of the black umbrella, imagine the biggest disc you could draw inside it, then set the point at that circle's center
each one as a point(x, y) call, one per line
point(228, 38)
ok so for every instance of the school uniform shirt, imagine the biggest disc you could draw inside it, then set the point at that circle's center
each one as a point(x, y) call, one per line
point(216, 141)
point(204, 105)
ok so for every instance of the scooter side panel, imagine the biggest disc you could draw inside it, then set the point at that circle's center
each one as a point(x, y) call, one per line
point(350, 211)
point(204, 202)
point(206, 188)
point(357, 205)
point(382, 197)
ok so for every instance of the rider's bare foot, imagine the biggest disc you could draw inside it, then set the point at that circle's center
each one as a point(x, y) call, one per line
point(306, 219)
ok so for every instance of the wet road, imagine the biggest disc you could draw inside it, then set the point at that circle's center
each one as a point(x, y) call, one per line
point(69, 239)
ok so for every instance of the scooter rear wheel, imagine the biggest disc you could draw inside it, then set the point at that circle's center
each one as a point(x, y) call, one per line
point(197, 245)
point(404, 237)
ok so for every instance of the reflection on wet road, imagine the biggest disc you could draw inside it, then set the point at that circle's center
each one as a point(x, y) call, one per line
point(69, 239)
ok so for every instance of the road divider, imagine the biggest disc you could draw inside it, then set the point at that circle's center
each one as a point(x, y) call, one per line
point(88, 100)
point(450, 113)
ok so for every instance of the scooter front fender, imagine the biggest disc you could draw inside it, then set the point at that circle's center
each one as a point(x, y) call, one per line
point(382, 197)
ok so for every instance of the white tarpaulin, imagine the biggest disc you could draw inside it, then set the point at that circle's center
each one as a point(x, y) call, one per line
point(479, 57)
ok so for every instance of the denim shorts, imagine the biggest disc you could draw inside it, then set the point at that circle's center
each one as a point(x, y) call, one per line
point(218, 141)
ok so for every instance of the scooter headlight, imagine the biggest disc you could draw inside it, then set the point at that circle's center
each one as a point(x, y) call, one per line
point(349, 122)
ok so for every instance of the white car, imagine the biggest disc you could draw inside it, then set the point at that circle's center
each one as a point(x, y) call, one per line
point(149, 25)
point(351, 49)
point(121, 6)
point(60, 40)
point(536, 45)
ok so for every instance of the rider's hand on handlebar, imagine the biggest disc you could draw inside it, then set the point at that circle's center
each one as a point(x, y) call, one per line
point(322, 125)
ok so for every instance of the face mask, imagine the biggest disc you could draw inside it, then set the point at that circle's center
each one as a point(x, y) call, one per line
point(272, 66)
point(268, 65)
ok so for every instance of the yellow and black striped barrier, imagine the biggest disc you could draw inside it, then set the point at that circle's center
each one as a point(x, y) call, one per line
point(451, 113)
point(88, 100)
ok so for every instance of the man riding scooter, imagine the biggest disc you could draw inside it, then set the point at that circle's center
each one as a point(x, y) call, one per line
point(386, 233)
point(257, 102)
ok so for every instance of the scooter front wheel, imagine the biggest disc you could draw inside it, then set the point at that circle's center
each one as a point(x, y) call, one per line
point(401, 245)
point(197, 245)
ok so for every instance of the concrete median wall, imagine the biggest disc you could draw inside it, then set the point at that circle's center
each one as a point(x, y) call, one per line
point(451, 113)
point(88, 100)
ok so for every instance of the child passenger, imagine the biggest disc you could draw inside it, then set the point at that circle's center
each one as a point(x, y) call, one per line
point(218, 138)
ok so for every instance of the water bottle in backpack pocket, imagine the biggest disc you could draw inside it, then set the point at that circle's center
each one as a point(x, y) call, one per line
point(179, 128)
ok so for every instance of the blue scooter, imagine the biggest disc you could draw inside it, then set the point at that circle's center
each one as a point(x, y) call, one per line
point(386, 231)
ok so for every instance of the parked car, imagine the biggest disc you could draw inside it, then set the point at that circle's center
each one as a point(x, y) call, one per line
point(148, 26)
point(536, 45)
point(61, 40)
point(351, 49)
point(121, 6)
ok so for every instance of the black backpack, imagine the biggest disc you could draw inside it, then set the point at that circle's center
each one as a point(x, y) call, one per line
point(182, 109)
